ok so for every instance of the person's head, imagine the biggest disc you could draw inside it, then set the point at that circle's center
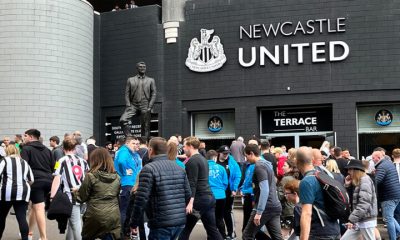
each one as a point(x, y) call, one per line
point(289, 166)
point(317, 157)
point(356, 171)
point(157, 146)
point(172, 151)
point(380, 149)
point(116, 7)
point(377, 156)
point(337, 152)
point(69, 144)
point(174, 139)
point(18, 138)
point(292, 191)
point(332, 150)
point(254, 140)
point(126, 6)
point(54, 141)
point(132, 2)
point(132, 143)
point(212, 155)
point(108, 145)
point(345, 153)
point(101, 160)
point(11, 149)
point(240, 139)
point(31, 135)
point(143, 141)
point(264, 145)
point(179, 137)
point(396, 153)
point(223, 152)
point(292, 153)
point(202, 145)
point(6, 141)
point(120, 142)
point(325, 144)
point(77, 134)
point(141, 67)
point(332, 166)
point(278, 152)
point(304, 158)
point(191, 145)
point(252, 153)
point(283, 147)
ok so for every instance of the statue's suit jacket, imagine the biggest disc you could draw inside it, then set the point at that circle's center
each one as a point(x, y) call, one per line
point(149, 90)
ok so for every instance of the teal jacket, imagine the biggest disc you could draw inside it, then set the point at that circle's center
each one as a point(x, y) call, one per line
point(218, 179)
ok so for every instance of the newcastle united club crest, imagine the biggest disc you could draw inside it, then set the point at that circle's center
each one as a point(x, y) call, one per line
point(206, 55)
point(215, 124)
point(383, 117)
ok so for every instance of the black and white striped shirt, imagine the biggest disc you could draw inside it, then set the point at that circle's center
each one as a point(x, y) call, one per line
point(15, 176)
point(72, 170)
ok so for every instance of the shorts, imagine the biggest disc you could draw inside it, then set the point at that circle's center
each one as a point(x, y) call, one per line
point(39, 191)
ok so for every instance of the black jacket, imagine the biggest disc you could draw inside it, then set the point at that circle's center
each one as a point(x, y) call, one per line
point(164, 192)
point(40, 159)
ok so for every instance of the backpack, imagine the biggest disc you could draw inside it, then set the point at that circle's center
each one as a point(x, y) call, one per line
point(335, 197)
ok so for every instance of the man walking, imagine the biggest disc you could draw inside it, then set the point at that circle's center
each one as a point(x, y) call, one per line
point(267, 208)
point(202, 201)
point(314, 222)
point(388, 191)
point(42, 164)
point(164, 189)
point(128, 164)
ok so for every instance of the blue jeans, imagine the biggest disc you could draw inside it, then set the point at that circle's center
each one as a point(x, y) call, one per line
point(388, 208)
point(124, 197)
point(168, 233)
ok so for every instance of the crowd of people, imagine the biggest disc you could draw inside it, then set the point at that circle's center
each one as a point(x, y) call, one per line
point(161, 188)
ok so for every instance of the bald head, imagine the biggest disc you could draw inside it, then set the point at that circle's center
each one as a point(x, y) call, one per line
point(174, 140)
point(304, 157)
point(377, 156)
point(317, 157)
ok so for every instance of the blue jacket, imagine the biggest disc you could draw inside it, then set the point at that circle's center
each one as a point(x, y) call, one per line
point(180, 163)
point(218, 179)
point(247, 186)
point(387, 180)
point(128, 165)
point(235, 174)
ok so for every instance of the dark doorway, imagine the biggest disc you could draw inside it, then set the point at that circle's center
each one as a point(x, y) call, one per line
point(369, 141)
point(314, 141)
point(279, 141)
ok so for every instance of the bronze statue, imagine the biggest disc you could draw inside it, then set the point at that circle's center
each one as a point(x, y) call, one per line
point(140, 95)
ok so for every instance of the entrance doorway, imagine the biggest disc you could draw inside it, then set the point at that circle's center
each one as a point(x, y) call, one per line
point(295, 140)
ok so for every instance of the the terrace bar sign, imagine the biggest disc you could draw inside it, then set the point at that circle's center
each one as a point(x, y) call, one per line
point(331, 51)
point(318, 119)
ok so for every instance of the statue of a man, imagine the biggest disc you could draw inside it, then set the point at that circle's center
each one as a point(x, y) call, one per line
point(140, 95)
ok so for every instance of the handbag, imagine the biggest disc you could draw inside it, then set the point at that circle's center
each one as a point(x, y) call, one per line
point(60, 207)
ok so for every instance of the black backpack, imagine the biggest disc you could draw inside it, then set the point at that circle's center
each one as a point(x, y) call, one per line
point(336, 199)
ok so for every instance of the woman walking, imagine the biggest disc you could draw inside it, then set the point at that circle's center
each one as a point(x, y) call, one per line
point(100, 190)
point(362, 220)
point(15, 179)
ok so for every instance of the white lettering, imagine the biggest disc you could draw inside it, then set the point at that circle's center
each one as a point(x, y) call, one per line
point(340, 23)
point(332, 51)
point(286, 54)
point(264, 51)
point(253, 57)
point(256, 30)
point(310, 25)
point(241, 30)
point(299, 27)
point(316, 52)
point(321, 23)
point(274, 30)
point(300, 47)
point(284, 33)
